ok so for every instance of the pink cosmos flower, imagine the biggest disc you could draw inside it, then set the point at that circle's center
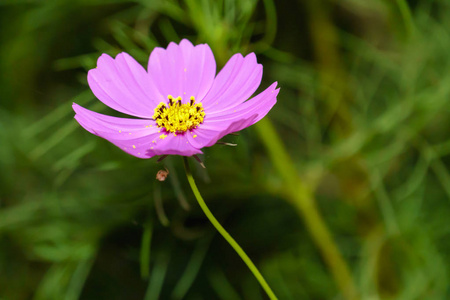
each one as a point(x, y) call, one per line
point(180, 104)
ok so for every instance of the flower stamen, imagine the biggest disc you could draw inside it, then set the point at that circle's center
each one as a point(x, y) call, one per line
point(176, 117)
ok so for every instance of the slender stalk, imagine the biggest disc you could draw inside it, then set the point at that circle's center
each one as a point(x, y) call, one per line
point(225, 234)
point(407, 17)
point(302, 198)
point(145, 250)
point(159, 208)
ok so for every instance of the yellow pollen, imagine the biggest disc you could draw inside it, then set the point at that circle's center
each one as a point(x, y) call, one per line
point(176, 117)
point(134, 147)
point(162, 136)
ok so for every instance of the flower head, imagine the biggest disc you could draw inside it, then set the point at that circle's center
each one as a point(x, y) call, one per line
point(180, 104)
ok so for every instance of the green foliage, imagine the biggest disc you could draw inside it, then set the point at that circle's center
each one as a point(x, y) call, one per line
point(363, 113)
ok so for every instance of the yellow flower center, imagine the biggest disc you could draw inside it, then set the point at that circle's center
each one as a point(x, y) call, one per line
point(176, 117)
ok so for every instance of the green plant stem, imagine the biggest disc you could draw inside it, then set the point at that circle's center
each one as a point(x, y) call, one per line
point(405, 12)
point(225, 234)
point(301, 197)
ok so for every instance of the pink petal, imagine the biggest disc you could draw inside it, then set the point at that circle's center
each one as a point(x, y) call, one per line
point(124, 85)
point(234, 84)
point(183, 70)
point(260, 105)
point(219, 124)
point(206, 135)
point(138, 137)
point(175, 145)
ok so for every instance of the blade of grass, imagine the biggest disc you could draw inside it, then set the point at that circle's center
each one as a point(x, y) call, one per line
point(146, 249)
point(191, 271)
point(157, 276)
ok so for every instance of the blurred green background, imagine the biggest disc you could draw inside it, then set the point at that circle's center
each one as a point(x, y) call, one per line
point(344, 187)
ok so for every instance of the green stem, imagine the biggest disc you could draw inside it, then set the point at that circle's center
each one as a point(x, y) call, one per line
point(225, 234)
point(405, 12)
point(302, 198)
